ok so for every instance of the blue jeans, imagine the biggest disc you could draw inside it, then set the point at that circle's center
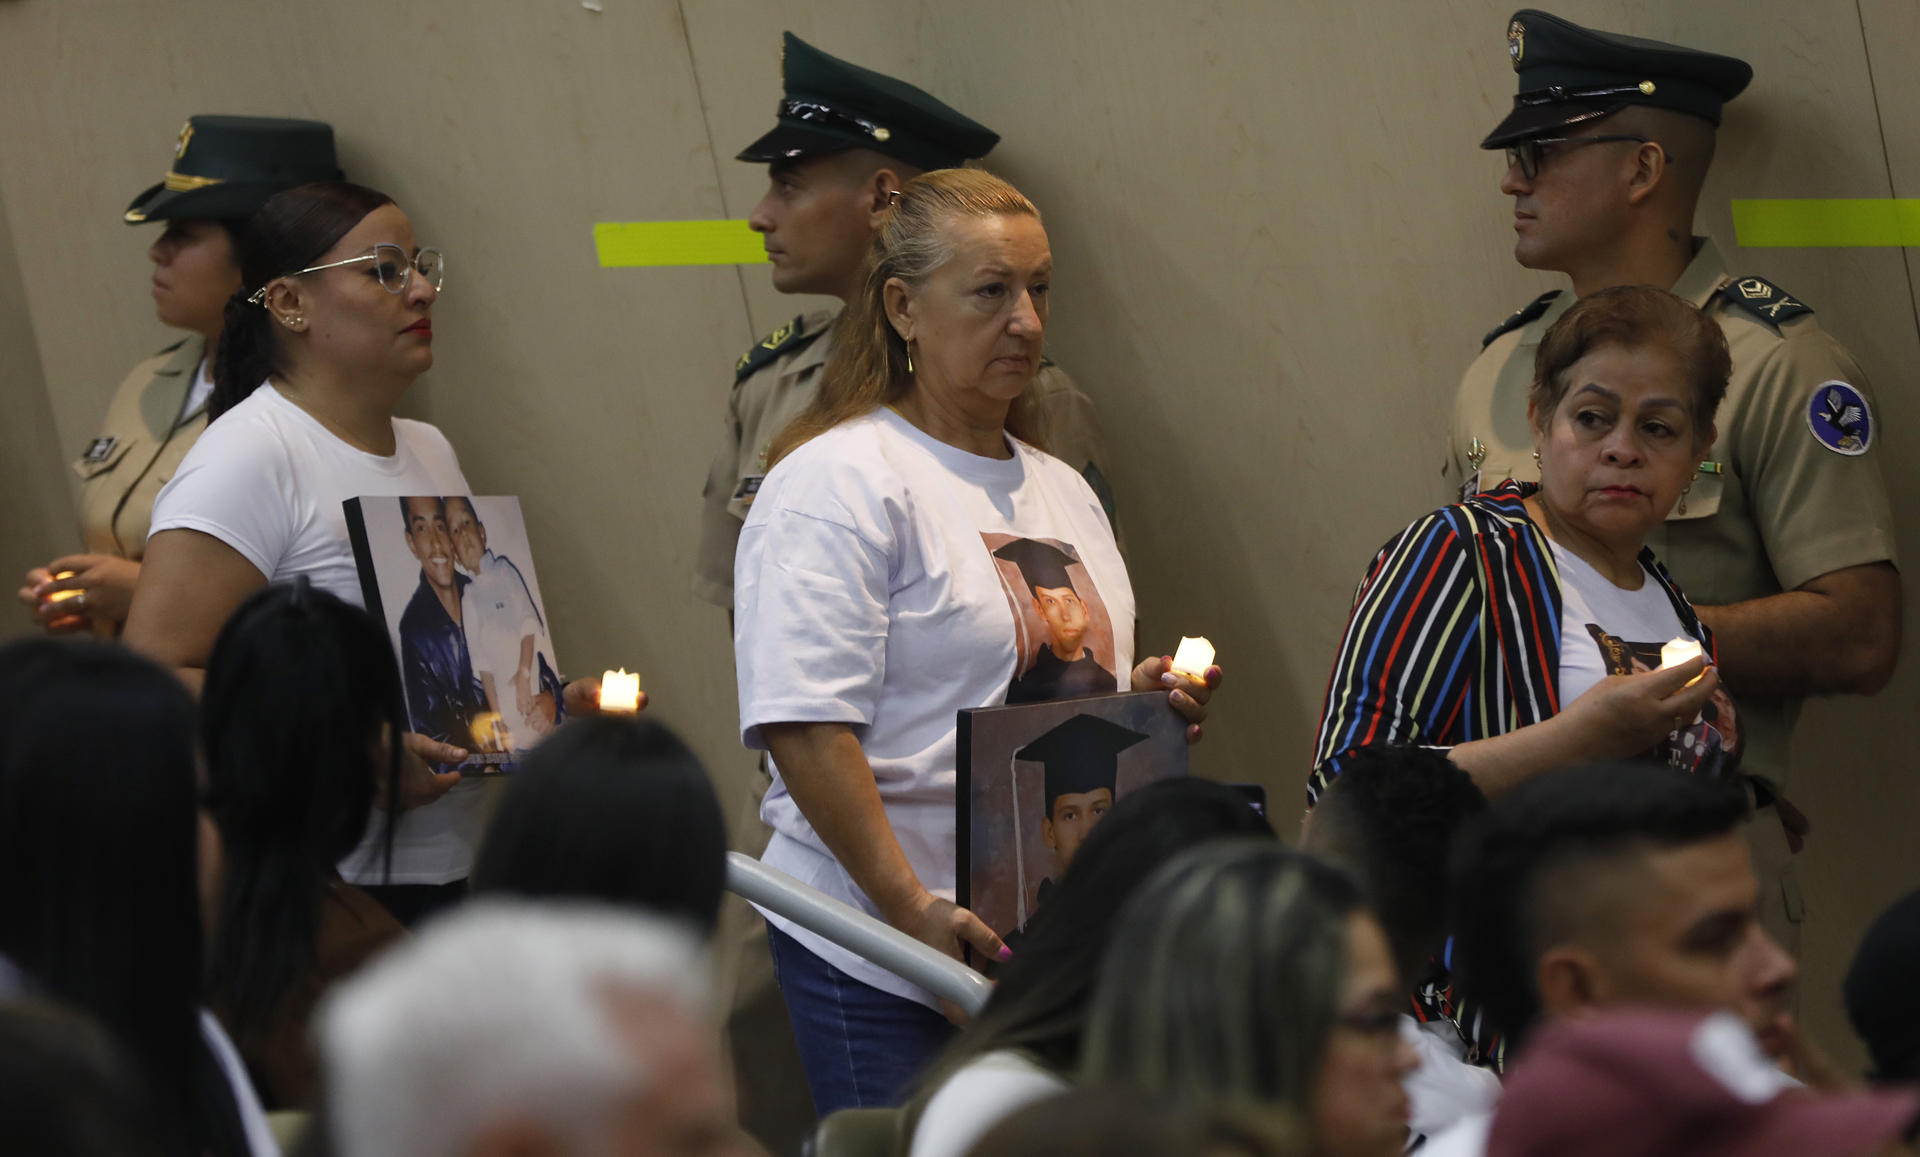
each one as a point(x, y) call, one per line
point(862, 1048)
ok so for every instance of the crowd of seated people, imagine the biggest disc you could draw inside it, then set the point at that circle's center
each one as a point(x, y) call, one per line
point(249, 905)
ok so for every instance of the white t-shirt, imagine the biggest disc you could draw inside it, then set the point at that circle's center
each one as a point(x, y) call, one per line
point(246, 1102)
point(985, 1092)
point(865, 593)
point(1444, 1089)
point(268, 480)
point(499, 615)
point(1468, 1138)
point(1605, 630)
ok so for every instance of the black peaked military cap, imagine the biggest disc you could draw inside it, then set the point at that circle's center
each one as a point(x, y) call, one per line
point(228, 166)
point(1570, 74)
point(832, 106)
point(1081, 755)
point(1040, 563)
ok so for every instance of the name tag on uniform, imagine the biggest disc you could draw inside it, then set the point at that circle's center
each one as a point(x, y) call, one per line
point(749, 486)
point(98, 449)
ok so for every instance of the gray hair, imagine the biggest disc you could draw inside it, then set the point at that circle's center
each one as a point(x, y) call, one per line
point(1224, 978)
point(498, 1011)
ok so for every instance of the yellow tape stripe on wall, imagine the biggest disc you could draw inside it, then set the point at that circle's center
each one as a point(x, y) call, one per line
point(628, 243)
point(1881, 221)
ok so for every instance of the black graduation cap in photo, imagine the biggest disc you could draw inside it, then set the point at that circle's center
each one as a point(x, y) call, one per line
point(1569, 74)
point(1041, 564)
point(1081, 755)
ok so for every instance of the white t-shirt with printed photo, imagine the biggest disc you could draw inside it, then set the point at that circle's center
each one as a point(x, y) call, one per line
point(268, 480)
point(1606, 630)
point(864, 593)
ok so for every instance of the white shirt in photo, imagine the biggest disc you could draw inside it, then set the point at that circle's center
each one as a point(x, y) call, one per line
point(269, 480)
point(865, 594)
point(498, 612)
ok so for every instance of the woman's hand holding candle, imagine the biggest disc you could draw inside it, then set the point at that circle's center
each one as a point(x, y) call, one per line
point(1187, 691)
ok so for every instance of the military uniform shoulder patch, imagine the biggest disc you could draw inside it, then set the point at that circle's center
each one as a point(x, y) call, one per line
point(788, 338)
point(1840, 418)
point(1763, 299)
point(1521, 316)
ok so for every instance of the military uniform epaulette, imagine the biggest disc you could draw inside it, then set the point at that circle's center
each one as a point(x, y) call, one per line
point(785, 340)
point(1521, 316)
point(1764, 300)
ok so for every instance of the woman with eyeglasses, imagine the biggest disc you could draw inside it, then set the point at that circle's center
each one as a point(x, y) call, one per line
point(1253, 980)
point(224, 168)
point(330, 326)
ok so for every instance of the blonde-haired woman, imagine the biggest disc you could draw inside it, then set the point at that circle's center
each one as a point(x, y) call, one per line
point(870, 605)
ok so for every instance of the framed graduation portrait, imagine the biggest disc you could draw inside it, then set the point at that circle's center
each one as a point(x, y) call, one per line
point(1035, 778)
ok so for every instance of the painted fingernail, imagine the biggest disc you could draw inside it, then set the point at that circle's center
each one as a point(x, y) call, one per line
point(1168, 680)
point(1006, 953)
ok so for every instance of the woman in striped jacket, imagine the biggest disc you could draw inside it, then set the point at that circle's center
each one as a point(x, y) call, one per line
point(1522, 629)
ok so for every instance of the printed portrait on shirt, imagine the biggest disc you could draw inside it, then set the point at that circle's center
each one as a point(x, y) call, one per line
point(1710, 745)
point(1063, 635)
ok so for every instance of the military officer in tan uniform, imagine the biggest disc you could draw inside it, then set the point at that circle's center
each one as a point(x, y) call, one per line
point(846, 138)
point(223, 169)
point(1784, 539)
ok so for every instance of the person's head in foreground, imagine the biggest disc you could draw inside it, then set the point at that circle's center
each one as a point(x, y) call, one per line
point(301, 703)
point(335, 296)
point(615, 809)
point(1254, 979)
point(847, 139)
point(950, 318)
point(1615, 883)
point(1390, 819)
point(1119, 1121)
point(101, 846)
point(1663, 1083)
point(1626, 385)
point(507, 1028)
point(1040, 1003)
point(66, 1089)
point(1883, 991)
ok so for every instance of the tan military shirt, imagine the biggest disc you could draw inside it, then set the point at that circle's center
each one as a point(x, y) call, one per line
point(778, 378)
point(139, 448)
point(1786, 496)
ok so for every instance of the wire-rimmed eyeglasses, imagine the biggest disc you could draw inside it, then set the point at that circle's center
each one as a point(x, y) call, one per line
point(391, 266)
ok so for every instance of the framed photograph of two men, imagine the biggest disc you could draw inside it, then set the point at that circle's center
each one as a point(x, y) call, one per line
point(1035, 778)
point(452, 578)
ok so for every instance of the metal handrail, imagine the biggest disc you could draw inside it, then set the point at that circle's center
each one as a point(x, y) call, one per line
point(858, 933)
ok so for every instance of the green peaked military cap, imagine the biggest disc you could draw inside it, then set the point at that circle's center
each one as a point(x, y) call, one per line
point(1569, 74)
point(227, 166)
point(1080, 755)
point(831, 106)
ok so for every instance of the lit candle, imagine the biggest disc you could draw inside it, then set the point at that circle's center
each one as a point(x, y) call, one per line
point(620, 692)
point(63, 596)
point(1684, 649)
point(1193, 657)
